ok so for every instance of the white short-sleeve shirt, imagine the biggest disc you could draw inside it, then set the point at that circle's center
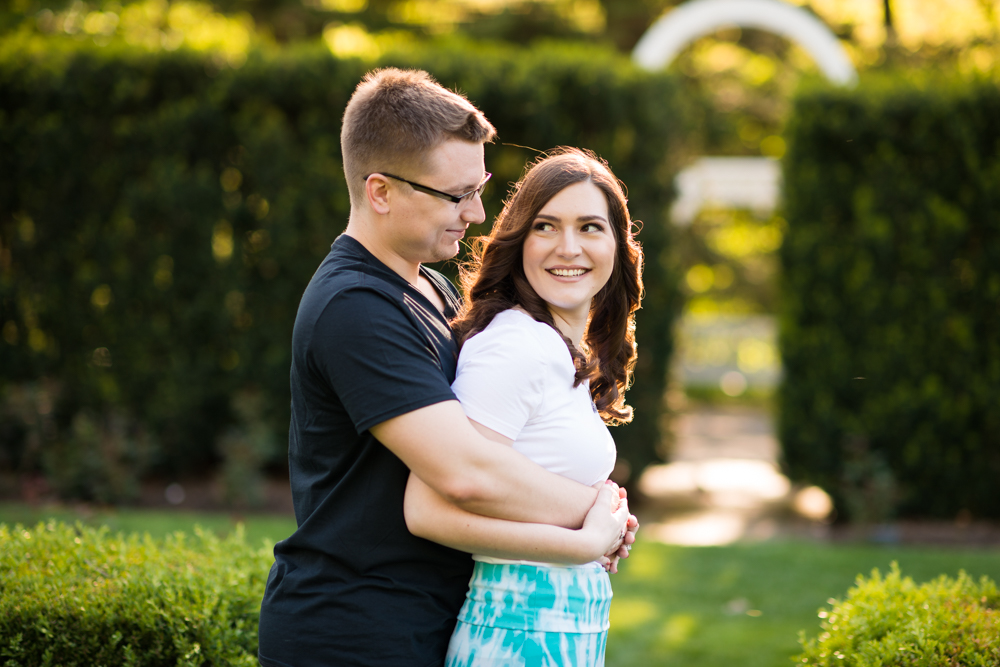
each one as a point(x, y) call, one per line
point(516, 378)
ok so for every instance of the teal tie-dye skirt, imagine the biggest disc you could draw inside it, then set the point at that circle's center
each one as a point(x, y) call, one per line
point(532, 616)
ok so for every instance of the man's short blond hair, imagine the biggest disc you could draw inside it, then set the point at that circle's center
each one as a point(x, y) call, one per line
point(395, 117)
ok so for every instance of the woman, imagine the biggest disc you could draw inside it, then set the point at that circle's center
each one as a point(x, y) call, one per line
point(547, 341)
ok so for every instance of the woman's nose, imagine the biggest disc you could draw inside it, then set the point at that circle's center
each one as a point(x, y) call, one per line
point(569, 244)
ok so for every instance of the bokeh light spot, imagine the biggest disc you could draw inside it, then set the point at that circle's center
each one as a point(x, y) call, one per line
point(222, 241)
point(700, 278)
point(773, 146)
point(733, 384)
point(101, 297)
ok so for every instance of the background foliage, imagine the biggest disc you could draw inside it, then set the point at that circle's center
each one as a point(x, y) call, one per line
point(82, 596)
point(674, 605)
point(892, 621)
point(891, 271)
point(162, 213)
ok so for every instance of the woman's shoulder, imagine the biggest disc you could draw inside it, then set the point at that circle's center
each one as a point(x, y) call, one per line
point(518, 327)
point(513, 332)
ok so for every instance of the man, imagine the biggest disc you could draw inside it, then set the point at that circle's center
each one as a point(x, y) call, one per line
point(372, 364)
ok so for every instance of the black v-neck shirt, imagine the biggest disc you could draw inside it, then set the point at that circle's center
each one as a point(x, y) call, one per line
point(352, 586)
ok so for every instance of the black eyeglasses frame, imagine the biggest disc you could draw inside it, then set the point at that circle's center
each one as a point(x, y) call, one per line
point(454, 199)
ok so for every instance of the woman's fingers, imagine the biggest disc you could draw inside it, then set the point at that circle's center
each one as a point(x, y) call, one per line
point(616, 494)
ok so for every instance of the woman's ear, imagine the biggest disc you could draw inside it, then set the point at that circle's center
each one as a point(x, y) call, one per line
point(377, 193)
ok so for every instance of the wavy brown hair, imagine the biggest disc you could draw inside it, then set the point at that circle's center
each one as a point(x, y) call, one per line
point(493, 280)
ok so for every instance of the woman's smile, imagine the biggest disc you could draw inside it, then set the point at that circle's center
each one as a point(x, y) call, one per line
point(567, 273)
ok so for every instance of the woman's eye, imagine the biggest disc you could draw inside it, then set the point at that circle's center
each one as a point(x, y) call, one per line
point(543, 227)
point(593, 227)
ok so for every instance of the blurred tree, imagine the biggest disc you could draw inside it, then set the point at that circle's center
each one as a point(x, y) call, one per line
point(519, 21)
point(730, 264)
point(917, 34)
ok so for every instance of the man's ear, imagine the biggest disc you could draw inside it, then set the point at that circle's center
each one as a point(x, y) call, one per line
point(377, 192)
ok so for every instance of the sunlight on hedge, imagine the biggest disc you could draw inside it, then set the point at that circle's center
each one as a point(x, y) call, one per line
point(156, 25)
point(443, 16)
point(346, 41)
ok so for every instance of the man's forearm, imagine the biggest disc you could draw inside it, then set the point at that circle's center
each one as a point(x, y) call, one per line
point(440, 446)
point(518, 489)
point(429, 516)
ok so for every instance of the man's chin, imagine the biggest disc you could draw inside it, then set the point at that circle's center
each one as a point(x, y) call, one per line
point(444, 252)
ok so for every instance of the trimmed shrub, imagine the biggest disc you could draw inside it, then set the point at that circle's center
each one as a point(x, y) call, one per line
point(82, 596)
point(892, 621)
point(891, 280)
point(159, 219)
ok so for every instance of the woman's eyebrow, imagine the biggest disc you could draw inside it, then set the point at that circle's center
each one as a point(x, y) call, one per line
point(582, 218)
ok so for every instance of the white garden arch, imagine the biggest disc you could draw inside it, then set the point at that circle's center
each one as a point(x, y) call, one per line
point(730, 181)
point(736, 182)
point(691, 20)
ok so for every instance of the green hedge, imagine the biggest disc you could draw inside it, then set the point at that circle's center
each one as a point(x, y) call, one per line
point(890, 331)
point(83, 596)
point(159, 219)
point(891, 621)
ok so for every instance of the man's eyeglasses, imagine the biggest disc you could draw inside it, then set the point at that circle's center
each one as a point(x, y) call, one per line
point(454, 199)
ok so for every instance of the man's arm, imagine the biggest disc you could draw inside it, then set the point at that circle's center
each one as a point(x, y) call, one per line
point(441, 447)
point(430, 516)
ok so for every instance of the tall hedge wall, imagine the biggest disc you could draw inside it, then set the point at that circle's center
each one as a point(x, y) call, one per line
point(159, 219)
point(891, 316)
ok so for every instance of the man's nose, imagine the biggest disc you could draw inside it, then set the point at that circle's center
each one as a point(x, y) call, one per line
point(473, 211)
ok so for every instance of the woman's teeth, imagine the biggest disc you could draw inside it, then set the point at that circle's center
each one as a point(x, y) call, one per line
point(567, 273)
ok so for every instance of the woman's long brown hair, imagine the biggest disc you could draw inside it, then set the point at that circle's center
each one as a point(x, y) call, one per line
point(493, 280)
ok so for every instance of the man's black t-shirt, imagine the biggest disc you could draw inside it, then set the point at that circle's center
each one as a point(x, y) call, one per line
point(352, 586)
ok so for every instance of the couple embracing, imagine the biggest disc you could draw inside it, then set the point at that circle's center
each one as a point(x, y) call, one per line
point(428, 426)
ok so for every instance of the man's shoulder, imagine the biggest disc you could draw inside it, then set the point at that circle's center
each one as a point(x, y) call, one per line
point(348, 276)
point(348, 265)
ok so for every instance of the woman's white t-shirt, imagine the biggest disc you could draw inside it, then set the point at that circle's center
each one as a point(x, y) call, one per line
point(516, 378)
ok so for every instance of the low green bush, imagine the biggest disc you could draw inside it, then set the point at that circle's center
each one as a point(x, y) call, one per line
point(887, 621)
point(73, 595)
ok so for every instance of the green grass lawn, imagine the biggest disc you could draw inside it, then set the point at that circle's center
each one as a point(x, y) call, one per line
point(686, 606)
point(675, 606)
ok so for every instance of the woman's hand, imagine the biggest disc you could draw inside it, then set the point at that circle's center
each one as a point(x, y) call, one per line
point(609, 561)
point(606, 523)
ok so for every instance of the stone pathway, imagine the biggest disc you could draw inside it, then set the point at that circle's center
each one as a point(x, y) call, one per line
point(723, 484)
